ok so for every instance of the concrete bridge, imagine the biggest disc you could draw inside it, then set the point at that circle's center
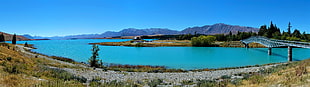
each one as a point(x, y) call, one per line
point(270, 43)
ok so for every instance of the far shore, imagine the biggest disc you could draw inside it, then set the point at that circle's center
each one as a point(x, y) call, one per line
point(175, 43)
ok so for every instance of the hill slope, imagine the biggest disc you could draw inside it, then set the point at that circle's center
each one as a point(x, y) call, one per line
point(219, 28)
point(9, 37)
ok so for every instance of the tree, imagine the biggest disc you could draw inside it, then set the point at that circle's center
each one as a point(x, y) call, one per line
point(185, 37)
point(2, 38)
point(93, 60)
point(296, 33)
point(289, 28)
point(202, 41)
point(285, 35)
point(304, 36)
point(220, 37)
point(262, 30)
point(230, 34)
point(14, 39)
point(26, 45)
point(276, 35)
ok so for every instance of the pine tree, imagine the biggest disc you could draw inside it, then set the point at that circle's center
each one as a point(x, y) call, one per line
point(93, 61)
point(14, 39)
point(304, 36)
point(296, 33)
point(262, 30)
point(2, 38)
point(289, 28)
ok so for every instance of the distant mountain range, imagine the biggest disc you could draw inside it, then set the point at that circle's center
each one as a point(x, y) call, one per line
point(219, 28)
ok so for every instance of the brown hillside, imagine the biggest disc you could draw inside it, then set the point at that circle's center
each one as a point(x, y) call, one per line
point(8, 37)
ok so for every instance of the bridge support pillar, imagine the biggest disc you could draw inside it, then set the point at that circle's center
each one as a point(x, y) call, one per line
point(246, 45)
point(289, 56)
point(269, 50)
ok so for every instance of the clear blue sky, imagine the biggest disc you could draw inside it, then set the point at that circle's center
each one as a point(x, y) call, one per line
point(71, 17)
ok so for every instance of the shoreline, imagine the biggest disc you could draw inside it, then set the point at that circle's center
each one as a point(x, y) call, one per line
point(101, 75)
point(175, 43)
point(168, 77)
point(143, 43)
point(59, 58)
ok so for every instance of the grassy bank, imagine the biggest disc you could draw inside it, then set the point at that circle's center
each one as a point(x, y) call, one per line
point(18, 70)
point(285, 75)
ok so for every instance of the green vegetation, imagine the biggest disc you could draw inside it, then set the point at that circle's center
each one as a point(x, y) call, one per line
point(186, 37)
point(274, 32)
point(2, 38)
point(26, 45)
point(93, 60)
point(14, 39)
point(271, 32)
point(203, 41)
point(139, 44)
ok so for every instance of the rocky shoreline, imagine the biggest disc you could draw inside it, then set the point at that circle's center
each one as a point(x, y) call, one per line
point(174, 78)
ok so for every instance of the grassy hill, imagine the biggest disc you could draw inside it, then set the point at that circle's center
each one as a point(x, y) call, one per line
point(18, 70)
point(8, 37)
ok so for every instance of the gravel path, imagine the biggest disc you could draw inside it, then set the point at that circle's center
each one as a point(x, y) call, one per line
point(173, 78)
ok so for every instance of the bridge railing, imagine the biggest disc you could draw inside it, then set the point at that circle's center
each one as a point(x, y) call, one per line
point(275, 43)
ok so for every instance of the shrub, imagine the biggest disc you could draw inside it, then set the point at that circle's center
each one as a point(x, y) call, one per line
point(26, 45)
point(13, 68)
point(9, 58)
point(300, 70)
point(139, 45)
point(155, 82)
point(206, 83)
point(225, 77)
point(113, 83)
point(202, 41)
point(60, 74)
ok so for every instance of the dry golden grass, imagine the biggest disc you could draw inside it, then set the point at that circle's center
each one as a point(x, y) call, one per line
point(296, 74)
point(17, 80)
point(17, 70)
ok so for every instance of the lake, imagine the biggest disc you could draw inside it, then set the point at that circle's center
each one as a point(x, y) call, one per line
point(171, 57)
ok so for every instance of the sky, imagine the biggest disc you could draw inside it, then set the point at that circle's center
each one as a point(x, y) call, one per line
point(72, 17)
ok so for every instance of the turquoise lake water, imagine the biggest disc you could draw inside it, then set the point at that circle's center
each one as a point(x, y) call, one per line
point(171, 57)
